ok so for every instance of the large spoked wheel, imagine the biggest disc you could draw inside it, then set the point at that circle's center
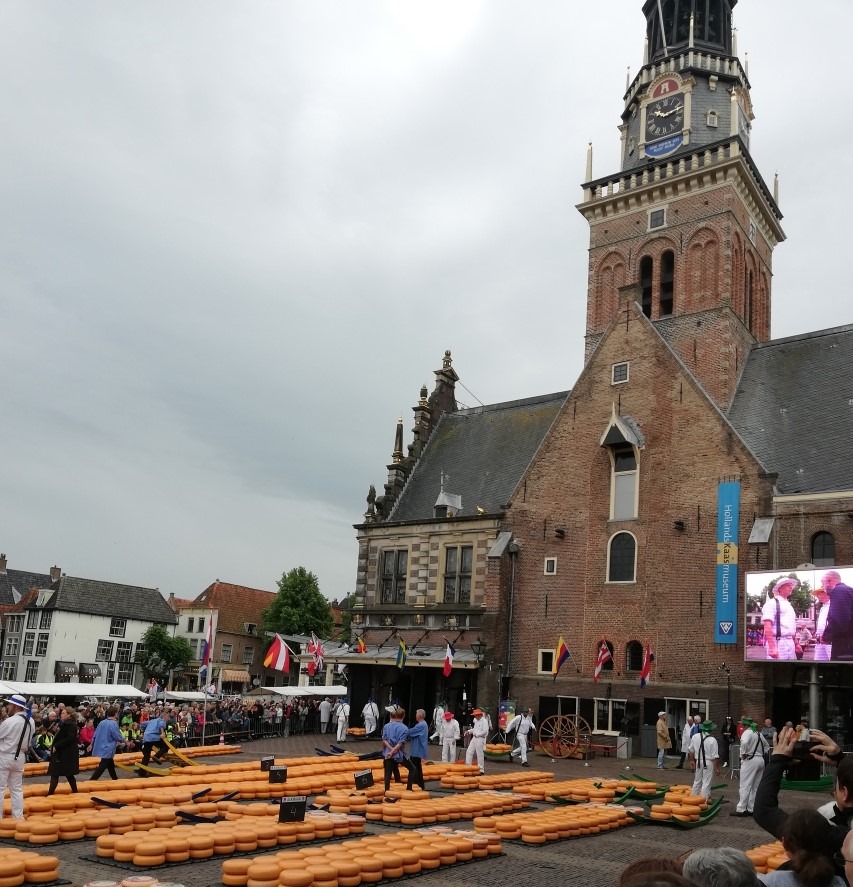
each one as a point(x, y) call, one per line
point(562, 736)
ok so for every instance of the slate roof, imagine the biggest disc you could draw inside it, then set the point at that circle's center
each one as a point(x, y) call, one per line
point(236, 604)
point(794, 409)
point(20, 581)
point(99, 598)
point(484, 450)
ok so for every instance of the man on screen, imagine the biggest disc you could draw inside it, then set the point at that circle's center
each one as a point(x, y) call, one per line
point(822, 650)
point(780, 621)
point(839, 622)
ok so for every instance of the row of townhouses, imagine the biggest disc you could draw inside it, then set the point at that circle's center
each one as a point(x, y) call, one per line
point(66, 629)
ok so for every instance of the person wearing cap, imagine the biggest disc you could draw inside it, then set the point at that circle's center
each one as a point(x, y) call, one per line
point(780, 621)
point(705, 759)
point(523, 725)
point(478, 732)
point(154, 735)
point(663, 740)
point(450, 734)
point(751, 767)
point(15, 736)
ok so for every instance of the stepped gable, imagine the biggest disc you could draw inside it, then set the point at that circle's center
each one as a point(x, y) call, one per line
point(482, 452)
point(793, 405)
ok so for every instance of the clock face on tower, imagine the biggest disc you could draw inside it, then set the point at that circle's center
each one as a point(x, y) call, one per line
point(665, 117)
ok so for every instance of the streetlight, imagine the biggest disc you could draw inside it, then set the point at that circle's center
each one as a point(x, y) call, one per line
point(479, 649)
point(725, 669)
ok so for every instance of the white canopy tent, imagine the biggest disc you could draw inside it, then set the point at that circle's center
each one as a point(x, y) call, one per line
point(335, 690)
point(101, 691)
point(186, 696)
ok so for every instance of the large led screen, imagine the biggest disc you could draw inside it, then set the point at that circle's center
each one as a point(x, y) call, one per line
point(802, 615)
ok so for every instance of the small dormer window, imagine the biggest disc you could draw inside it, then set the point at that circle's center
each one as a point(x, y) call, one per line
point(712, 119)
point(251, 628)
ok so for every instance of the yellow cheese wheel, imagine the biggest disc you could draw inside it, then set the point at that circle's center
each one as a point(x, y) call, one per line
point(44, 877)
point(296, 878)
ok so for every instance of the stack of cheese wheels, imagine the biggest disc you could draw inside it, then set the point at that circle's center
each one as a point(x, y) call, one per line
point(40, 869)
point(498, 748)
point(366, 861)
point(767, 857)
point(557, 824)
point(181, 843)
point(511, 780)
point(680, 805)
point(585, 789)
point(425, 812)
point(12, 869)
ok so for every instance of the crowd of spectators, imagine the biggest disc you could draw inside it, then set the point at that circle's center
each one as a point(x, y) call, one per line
point(188, 723)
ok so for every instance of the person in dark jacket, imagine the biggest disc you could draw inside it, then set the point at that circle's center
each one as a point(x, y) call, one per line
point(64, 755)
point(772, 818)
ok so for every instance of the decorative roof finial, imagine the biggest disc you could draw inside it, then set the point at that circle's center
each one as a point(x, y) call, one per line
point(397, 455)
point(447, 362)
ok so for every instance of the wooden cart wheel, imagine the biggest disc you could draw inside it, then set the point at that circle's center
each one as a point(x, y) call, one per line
point(561, 736)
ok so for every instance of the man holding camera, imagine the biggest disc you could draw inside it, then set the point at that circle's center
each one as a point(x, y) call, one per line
point(767, 812)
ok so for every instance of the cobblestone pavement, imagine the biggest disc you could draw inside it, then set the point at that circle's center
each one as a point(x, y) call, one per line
point(591, 861)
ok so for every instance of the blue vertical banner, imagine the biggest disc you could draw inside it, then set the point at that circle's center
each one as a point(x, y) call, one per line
point(728, 522)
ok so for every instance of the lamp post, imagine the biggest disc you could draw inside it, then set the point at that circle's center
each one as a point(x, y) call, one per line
point(479, 650)
point(726, 670)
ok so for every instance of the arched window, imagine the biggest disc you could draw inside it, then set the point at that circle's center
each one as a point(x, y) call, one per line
point(608, 664)
point(634, 656)
point(646, 275)
point(622, 558)
point(823, 550)
point(667, 282)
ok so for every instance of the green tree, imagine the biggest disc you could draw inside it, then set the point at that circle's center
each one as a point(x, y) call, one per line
point(162, 654)
point(346, 606)
point(299, 607)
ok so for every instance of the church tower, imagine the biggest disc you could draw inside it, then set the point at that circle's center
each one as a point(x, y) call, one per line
point(688, 219)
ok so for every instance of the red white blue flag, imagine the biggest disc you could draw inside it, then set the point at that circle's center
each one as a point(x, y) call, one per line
point(646, 670)
point(603, 658)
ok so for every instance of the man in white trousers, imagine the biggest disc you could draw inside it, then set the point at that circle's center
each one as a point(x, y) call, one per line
point(15, 735)
point(370, 713)
point(477, 744)
point(437, 721)
point(705, 758)
point(752, 748)
point(343, 719)
point(524, 726)
point(450, 735)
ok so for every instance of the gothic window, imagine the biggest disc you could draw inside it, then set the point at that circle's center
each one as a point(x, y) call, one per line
point(622, 558)
point(634, 656)
point(395, 565)
point(667, 282)
point(823, 550)
point(646, 276)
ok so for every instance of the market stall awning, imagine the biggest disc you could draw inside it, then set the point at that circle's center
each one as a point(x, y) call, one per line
point(335, 690)
point(65, 669)
point(89, 670)
point(235, 676)
point(72, 688)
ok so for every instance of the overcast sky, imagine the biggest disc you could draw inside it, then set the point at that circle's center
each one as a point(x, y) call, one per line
point(236, 239)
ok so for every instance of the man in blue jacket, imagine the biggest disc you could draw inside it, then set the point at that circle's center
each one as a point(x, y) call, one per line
point(107, 737)
point(418, 749)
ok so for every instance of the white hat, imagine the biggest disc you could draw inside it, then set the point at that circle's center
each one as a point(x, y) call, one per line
point(16, 699)
point(661, 714)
